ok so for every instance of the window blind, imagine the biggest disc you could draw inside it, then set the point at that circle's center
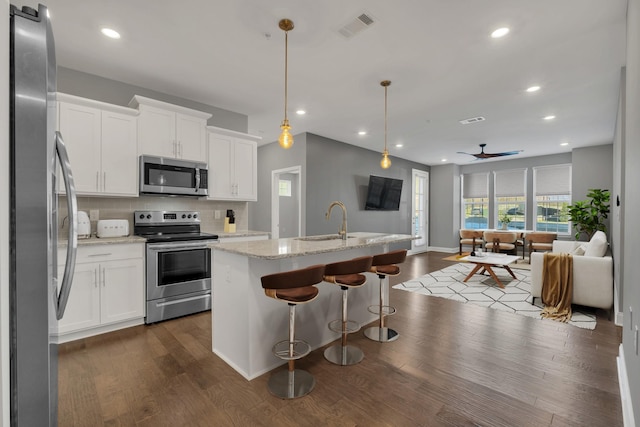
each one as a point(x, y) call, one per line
point(510, 183)
point(550, 180)
point(475, 185)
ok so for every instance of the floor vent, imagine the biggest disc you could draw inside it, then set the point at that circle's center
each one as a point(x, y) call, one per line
point(353, 27)
point(472, 120)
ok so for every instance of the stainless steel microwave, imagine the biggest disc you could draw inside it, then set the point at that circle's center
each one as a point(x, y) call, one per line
point(173, 177)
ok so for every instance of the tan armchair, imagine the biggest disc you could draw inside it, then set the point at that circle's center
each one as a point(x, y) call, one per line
point(540, 241)
point(500, 241)
point(470, 237)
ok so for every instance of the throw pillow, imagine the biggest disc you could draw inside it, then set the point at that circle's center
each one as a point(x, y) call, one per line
point(597, 246)
point(579, 250)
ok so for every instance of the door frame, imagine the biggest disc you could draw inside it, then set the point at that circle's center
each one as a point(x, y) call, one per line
point(275, 199)
point(422, 174)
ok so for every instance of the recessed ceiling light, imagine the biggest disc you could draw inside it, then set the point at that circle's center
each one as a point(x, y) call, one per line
point(443, 160)
point(362, 132)
point(301, 112)
point(533, 89)
point(111, 33)
point(500, 32)
point(549, 117)
point(399, 145)
point(564, 144)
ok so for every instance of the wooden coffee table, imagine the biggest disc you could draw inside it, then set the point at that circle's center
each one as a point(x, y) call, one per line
point(487, 262)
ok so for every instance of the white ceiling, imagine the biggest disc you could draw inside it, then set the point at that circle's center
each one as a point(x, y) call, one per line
point(443, 65)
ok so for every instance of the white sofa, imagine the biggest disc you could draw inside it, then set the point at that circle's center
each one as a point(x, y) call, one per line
point(592, 275)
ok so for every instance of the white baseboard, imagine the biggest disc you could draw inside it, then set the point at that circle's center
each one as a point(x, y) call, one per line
point(439, 249)
point(625, 391)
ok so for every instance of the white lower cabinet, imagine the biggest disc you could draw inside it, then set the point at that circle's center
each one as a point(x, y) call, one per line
point(107, 291)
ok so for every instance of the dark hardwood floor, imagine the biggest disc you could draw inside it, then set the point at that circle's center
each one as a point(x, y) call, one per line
point(453, 365)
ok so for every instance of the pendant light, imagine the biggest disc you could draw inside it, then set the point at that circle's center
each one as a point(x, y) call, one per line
point(286, 139)
point(385, 163)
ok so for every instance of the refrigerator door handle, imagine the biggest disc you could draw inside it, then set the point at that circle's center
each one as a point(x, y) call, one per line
point(72, 245)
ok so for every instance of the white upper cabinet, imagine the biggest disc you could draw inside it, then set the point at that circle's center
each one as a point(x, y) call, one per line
point(168, 130)
point(233, 167)
point(101, 140)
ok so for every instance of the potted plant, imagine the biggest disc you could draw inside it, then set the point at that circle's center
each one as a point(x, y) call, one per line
point(505, 220)
point(587, 216)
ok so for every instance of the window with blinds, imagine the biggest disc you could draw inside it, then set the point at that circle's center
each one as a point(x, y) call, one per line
point(510, 198)
point(475, 200)
point(552, 190)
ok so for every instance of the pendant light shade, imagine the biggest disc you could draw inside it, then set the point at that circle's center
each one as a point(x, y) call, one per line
point(286, 139)
point(385, 163)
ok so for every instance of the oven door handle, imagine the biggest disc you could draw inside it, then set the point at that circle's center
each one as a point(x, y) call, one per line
point(177, 246)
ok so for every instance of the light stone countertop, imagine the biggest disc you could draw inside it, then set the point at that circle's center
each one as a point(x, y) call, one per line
point(294, 247)
point(239, 233)
point(93, 240)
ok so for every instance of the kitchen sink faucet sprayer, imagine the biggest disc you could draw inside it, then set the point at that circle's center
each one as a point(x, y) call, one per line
point(343, 230)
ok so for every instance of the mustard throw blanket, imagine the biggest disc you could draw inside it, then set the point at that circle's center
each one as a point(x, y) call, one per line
point(557, 286)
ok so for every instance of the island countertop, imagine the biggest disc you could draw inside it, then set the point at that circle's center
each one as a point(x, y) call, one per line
point(300, 246)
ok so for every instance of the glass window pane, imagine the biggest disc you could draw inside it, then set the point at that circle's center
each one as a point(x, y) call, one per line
point(475, 213)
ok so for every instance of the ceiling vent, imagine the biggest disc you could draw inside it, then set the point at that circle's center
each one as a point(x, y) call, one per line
point(353, 27)
point(472, 120)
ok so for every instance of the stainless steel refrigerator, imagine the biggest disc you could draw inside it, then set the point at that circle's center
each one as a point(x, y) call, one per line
point(37, 297)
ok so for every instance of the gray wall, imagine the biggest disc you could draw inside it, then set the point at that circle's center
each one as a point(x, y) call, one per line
point(332, 170)
point(631, 203)
point(616, 217)
point(592, 168)
point(271, 157)
point(338, 171)
point(99, 88)
point(444, 210)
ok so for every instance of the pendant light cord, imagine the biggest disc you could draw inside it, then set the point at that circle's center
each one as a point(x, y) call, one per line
point(385, 118)
point(286, 62)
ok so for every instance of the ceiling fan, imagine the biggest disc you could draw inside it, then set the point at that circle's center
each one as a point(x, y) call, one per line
point(482, 155)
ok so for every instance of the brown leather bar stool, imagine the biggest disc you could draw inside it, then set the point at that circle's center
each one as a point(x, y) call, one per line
point(295, 287)
point(384, 265)
point(346, 274)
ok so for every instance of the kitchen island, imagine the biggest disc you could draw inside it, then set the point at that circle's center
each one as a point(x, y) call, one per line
point(246, 323)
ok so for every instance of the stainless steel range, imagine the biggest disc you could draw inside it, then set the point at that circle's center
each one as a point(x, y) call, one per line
point(178, 263)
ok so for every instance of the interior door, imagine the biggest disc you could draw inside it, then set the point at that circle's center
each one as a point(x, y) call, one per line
point(286, 209)
point(420, 211)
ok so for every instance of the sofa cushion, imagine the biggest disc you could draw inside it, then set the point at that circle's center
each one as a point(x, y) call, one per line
point(579, 250)
point(597, 246)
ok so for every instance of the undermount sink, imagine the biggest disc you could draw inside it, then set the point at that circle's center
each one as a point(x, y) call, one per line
point(321, 238)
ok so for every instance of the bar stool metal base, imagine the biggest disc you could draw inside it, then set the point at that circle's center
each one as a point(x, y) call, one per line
point(291, 384)
point(343, 355)
point(379, 334)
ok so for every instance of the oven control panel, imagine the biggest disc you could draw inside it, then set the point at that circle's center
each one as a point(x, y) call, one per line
point(166, 217)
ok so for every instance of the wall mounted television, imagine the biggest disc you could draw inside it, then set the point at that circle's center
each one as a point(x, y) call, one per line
point(383, 194)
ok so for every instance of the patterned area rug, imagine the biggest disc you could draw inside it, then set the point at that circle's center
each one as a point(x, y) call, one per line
point(483, 290)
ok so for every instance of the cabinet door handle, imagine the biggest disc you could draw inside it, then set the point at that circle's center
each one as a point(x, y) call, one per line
point(180, 149)
point(105, 254)
point(104, 181)
point(95, 278)
point(103, 278)
point(97, 180)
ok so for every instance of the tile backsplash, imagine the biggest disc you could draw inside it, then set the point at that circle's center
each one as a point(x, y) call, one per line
point(123, 208)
